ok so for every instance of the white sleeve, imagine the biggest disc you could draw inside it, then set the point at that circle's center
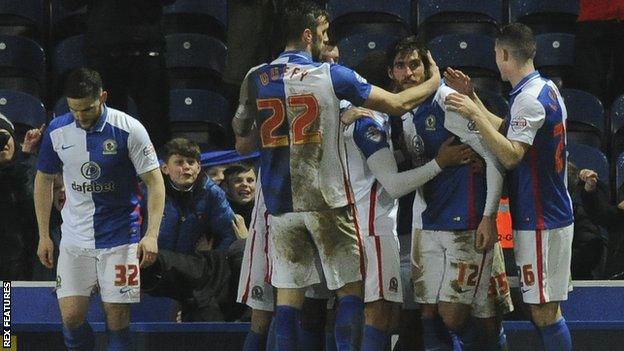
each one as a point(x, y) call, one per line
point(494, 173)
point(527, 117)
point(384, 168)
point(140, 149)
point(246, 105)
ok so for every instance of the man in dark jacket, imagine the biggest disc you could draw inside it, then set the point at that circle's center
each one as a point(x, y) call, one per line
point(196, 211)
point(124, 42)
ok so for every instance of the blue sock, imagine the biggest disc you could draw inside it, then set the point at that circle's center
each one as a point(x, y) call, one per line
point(79, 339)
point(374, 339)
point(330, 341)
point(348, 325)
point(310, 340)
point(120, 340)
point(457, 344)
point(556, 336)
point(435, 335)
point(254, 342)
point(287, 320)
point(271, 341)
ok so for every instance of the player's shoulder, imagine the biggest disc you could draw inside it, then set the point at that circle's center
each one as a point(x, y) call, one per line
point(122, 120)
point(60, 121)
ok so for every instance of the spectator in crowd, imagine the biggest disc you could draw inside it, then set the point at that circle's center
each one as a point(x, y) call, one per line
point(195, 208)
point(216, 173)
point(588, 245)
point(595, 200)
point(597, 48)
point(18, 235)
point(125, 43)
point(240, 187)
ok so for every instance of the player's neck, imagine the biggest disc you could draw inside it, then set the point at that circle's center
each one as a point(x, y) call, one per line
point(520, 73)
point(294, 47)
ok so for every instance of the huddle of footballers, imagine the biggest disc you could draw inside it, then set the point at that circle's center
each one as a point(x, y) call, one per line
point(326, 210)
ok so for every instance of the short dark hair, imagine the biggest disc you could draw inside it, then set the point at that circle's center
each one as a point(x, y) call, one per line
point(519, 39)
point(406, 46)
point(82, 83)
point(182, 147)
point(236, 169)
point(300, 15)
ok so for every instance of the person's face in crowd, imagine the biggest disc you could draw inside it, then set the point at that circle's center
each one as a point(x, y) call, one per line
point(320, 38)
point(87, 110)
point(407, 70)
point(241, 187)
point(183, 171)
point(7, 152)
point(330, 54)
point(58, 193)
point(216, 173)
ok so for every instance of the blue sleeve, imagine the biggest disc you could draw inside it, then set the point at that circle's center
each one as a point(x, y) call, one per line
point(348, 85)
point(48, 161)
point(221, 217)
point(369, 136)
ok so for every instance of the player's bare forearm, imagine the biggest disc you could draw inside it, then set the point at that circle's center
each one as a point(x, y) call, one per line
point(508, 152)
point(242, 127)
point(247, 144)
point(155, 200)
point(44, 183)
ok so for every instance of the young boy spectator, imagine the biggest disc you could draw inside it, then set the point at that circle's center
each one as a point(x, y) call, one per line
point(239, 183)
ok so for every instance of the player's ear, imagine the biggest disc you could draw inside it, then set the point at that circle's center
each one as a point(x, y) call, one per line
point(307, 36)
point(103, 96)
point(505, 55)
point(164, 168)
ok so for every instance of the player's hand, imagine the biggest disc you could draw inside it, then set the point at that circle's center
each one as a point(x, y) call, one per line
point(590, 178)
point(463, 105)
point(31, 139)
point(45, 251)
point(459, 81)
point(453, 155)
point(486, 234)
point(240, 229)
point(354, 113)
point(434, 70)
point(147, 252)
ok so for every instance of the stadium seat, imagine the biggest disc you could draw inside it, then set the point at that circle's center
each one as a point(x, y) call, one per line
point(545, 16)
point(22, 65)
point(584, 156)
point(24, 110)
point(197, 16)
point(195, 61)
point(617, 122)
point(65, 23)
point(585, 124)
point(555, 56)
point(61, 108)
point(200, 115)
point(355, 47)
point(349, 17)
point(471, 53)
point(494, 103)
point(440, 17)
point(68, 54)
point(619, 177)
point(22, 17)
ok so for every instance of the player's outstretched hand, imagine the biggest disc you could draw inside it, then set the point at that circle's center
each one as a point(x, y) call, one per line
point(147, 252)
point(354, 113)
point(459, 81)
point(463, 105)
point(453, 155)
point(486, 234)
point(590, 178)
point(45, 252)
point(240, 229)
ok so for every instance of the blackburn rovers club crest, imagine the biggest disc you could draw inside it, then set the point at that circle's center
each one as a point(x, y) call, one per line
point(58, 281)
point(109, 147)
point(394, 284)
point(256, 293)
point(472, 126)
point(430, 122)
point(373, 134)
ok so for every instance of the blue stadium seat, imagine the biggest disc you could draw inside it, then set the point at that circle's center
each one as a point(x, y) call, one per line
point(545, 16)
point(68, 54)
point(197, 16)
point(22, 65)
point(65, 23)
point(24, 110)
point(473, 54)
point(555, 56)
point(617, 122)
point(61, 108)
point(439, 17)
point(200, 115)
point(584, 156)
point(195, 61)
point(585, 124)
point(355, 47)
point(619, 177)
point(22, 17)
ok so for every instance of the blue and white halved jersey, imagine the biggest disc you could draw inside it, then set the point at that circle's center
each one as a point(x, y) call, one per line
point(99, 168)
point(295, 104)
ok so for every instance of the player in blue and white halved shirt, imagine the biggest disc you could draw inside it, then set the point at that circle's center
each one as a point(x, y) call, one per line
point(100, 151)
